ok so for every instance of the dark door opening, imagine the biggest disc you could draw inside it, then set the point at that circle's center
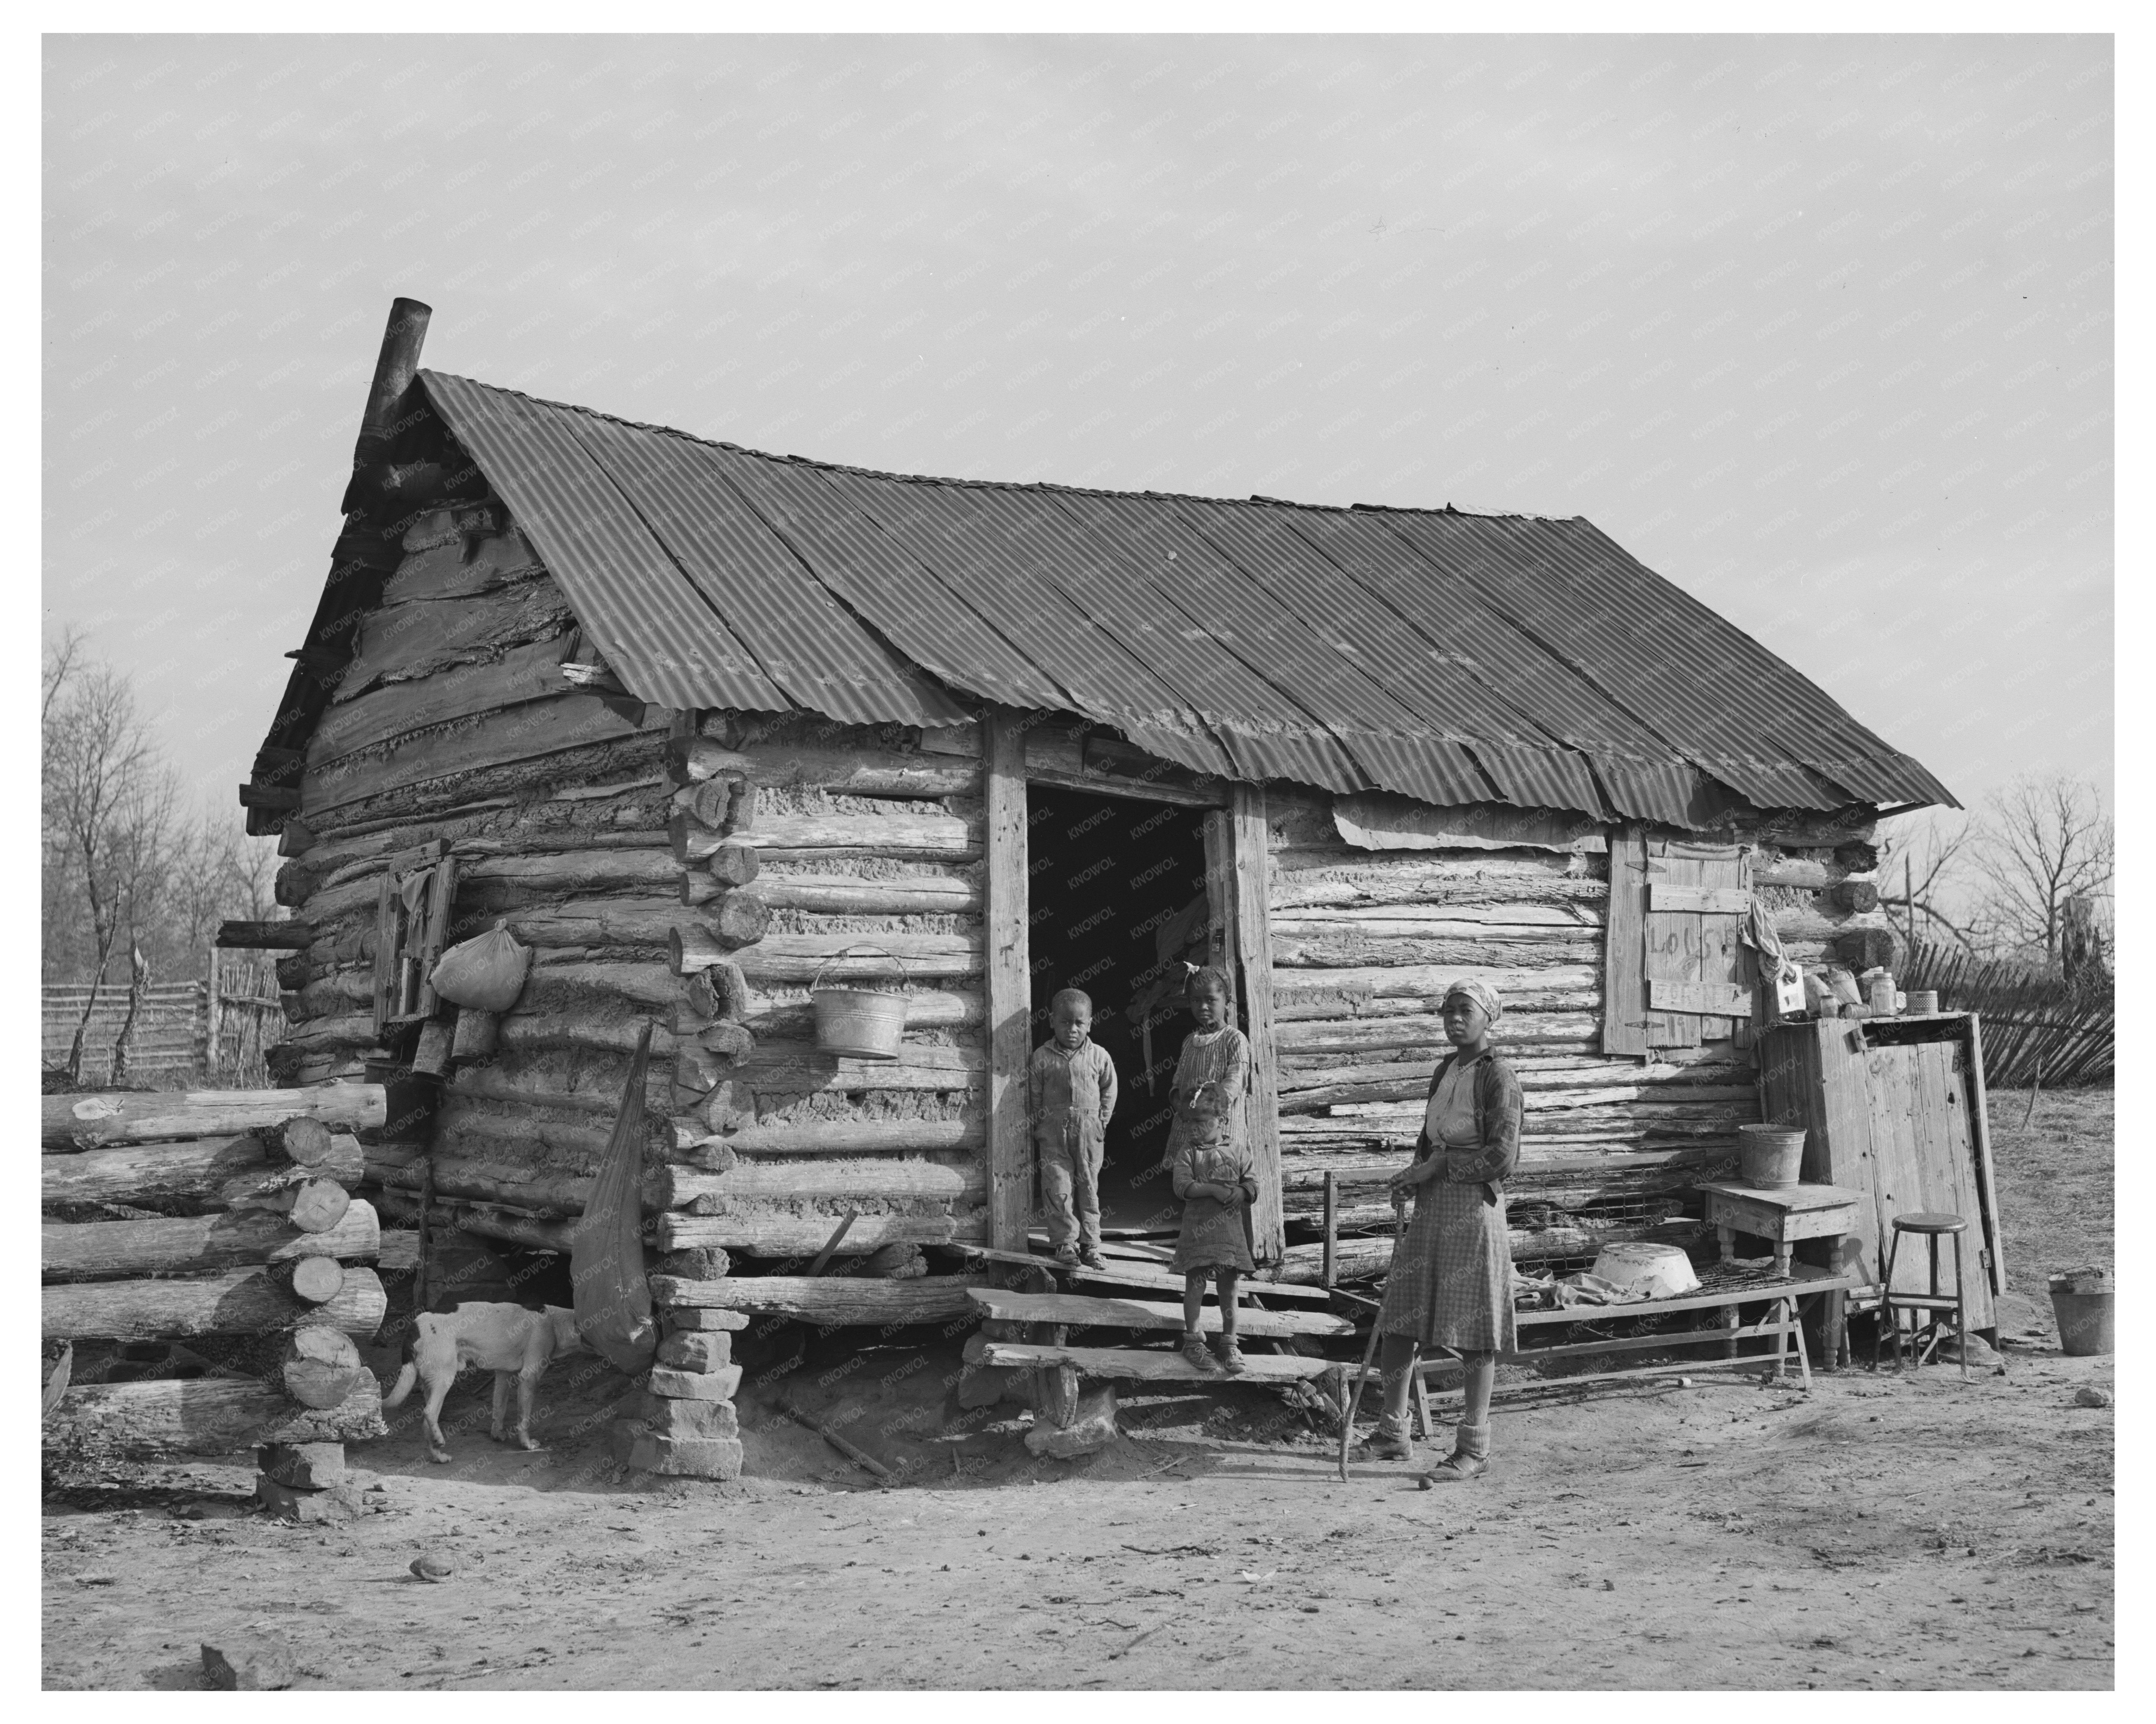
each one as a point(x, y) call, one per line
point(1116, 904)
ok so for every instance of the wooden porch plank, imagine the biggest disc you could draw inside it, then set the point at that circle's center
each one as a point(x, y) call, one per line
point(1080, 1311)
point(1154, 1366)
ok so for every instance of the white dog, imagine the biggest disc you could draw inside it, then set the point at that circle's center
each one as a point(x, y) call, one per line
point(514, 1343)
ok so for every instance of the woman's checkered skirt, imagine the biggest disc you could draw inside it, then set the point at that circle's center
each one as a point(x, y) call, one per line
point(1451, 1278)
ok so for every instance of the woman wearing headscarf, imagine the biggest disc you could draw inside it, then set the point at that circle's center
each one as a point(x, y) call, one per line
point(1451, 1282)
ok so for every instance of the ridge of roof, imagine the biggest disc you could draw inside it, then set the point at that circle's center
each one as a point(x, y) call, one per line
point(1254, 500)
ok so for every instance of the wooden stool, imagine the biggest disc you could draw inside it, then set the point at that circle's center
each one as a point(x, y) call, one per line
point(1930, 1226)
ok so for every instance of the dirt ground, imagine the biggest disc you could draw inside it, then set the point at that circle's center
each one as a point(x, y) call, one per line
point(1886, 1531)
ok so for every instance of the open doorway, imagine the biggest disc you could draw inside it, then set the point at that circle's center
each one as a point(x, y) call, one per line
point(1117, 903)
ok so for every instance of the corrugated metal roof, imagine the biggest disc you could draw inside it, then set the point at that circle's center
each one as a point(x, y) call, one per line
point(804, 639)
point(1451, 657)
point(659, 634)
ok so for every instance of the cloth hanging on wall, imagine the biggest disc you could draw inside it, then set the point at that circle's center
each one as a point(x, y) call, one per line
point(606, 1257)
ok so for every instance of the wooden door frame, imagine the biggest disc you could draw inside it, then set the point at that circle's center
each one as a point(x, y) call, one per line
point(1237, 859)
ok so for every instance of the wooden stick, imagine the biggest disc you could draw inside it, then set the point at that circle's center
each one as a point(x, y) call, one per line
point(831, 1244)
point(867, 1463)
point(1370, 1348)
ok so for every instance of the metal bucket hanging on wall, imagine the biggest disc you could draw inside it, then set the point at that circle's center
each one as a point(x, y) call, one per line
point(863, 1023)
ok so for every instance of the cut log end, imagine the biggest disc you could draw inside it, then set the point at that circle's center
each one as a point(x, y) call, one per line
point(734, 864)
point(307, 1141)
point(317, 1205)
point(312, 1280)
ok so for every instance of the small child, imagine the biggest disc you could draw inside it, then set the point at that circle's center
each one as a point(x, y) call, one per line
point(1070, 1094)
point(1210, 1165)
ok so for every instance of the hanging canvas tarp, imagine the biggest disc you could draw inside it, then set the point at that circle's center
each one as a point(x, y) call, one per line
point(606, 1258)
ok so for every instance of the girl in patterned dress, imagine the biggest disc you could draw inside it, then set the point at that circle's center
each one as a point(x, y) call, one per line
point(1210, 1166)
point(1450, 1286)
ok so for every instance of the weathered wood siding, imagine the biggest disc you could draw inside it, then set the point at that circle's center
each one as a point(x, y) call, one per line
point(1363, 942)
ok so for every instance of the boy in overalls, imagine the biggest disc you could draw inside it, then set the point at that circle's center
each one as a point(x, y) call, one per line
point(1070, 1093)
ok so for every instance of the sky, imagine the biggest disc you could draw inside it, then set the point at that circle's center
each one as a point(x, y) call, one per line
point(1819, 328)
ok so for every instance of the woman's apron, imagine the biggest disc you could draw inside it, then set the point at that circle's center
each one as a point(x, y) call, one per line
point(1451, 1280)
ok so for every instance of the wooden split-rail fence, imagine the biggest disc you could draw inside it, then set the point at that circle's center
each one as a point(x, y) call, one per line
point(215, 1031)
point(222, 1220)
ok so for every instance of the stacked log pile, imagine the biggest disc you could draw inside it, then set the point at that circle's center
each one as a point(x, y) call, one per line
point(222, 1220)
point(1364, 941)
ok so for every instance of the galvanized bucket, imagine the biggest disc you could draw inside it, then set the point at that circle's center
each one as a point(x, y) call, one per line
point(1769, 1157)
point(861, 1022)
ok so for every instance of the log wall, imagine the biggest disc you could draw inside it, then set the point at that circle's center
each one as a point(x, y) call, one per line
point(859, 839)
point(615, 850)
point(454, 722)
point(1363, 942)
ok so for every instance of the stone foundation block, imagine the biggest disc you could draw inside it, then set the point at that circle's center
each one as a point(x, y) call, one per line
point(680, 1457)
point(661, 1417)
point(703, 1320)
point(695, 1385)
point(304, 1466)
point(697, 1351)
point(339, 1502)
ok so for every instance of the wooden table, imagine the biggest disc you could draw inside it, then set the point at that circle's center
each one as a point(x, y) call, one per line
point(1784, 1214)
point(1722, 1292)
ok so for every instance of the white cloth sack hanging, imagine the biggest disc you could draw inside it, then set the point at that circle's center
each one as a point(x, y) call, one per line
point(486, 973)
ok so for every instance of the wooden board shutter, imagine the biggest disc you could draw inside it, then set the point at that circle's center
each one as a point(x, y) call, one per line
point(1624, 948)
point(1697, 972)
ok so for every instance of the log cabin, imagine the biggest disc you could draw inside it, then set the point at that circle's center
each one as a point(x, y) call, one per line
point(710, 729)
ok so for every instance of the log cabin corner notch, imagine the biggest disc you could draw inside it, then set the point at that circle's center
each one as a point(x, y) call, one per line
point(698, 721)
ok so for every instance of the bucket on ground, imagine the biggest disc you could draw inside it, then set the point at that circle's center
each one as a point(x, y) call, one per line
point(1769, 1156)
point(864, 1023)
point(2081, 1301)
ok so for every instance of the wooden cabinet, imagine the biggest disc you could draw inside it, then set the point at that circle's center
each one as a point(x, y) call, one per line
point(1893, 1108)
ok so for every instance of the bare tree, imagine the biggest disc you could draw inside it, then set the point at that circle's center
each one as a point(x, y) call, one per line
point(110, 803)
point(1925, 874)
point(217, 873)
point(128, 872)
point(2044, 842)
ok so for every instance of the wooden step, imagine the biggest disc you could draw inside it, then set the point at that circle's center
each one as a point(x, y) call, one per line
point(1078, 1310)
point(1154, 1364)
point(1286, 1292)
point(1122, 1251)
